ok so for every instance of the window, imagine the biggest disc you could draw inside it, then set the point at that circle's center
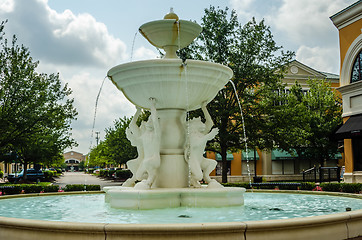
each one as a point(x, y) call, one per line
point(357, 153)
point(357, 69)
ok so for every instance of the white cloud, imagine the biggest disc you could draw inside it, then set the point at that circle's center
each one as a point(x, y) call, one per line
point(111, 105)
point(143, 53)
point(82, 50)
point(63, 38)
point(320, 58)
point(307, 21)
point(6, 5)
point(243, 7)
point(301, 26)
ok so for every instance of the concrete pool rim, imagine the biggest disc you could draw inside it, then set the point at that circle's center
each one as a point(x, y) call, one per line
point(346, 225)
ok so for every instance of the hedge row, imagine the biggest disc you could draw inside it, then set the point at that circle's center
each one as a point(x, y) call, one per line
point(342, 187)
point(120, 174)
point(279, 185)
point(81, 187)
point(38, 188)
point(329, 187)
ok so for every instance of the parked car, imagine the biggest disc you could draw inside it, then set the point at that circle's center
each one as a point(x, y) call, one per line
point(31, 174)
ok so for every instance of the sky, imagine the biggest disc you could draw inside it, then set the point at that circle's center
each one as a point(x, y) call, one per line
point(83, 39)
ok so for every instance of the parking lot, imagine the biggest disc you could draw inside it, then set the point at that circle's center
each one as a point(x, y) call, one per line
point(82, 178)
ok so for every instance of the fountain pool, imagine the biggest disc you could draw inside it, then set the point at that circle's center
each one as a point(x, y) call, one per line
point(84, 216)
point(91, 208)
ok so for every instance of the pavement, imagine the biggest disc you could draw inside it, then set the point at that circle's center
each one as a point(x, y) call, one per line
point(82, 178)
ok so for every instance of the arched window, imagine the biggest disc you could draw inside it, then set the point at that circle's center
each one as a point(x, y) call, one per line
point(357, 68)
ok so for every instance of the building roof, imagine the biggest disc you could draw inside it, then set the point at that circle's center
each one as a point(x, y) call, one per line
point(331, 75)
point(74, 152)
point(300, 72)
point(348, 15)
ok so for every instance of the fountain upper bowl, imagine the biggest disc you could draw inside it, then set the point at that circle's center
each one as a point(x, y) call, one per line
point(174, 84)
point(169, 32)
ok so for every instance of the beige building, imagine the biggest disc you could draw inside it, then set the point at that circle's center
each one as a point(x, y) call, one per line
point(277, 164)
point(73, 159)
point(349, 25)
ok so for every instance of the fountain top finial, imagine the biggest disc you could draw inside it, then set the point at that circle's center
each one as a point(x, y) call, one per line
point(170, 33)
point(171, 15)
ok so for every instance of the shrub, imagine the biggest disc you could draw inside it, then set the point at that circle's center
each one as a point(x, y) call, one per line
point(74, 187)
point(331, 187)
point(81, 187)
point(93, 187)
point(110, 173)
point(307, 186)
point(51, 188)
point(289, 186)
point(48, 174)
point(103, 173)
point(351, 187)
point(123, 174)
point(11, 189)
point(32, 188)
point(243, 184)
point(1, 174)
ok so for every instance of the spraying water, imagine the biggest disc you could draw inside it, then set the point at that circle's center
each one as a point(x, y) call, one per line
point(244, 132)
point(95, 112)
point(133, 43)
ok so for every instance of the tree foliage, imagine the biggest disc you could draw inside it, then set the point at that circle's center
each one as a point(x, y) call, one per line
point(35, 108)
point(119, 147)
point(305, 121)
point(98, 156)
point(251, 52)
point(116, 148)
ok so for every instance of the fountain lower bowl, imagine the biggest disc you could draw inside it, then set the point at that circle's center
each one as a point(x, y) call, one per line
point(175, 84)
point(130, 198)
point(346, 225)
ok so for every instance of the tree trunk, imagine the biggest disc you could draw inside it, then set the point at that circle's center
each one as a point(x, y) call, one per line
point(25, 168)
point(224, 172)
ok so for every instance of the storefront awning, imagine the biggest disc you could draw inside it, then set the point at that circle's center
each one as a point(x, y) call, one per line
point(278, 154)
point(250, 155)
point(337, 156)
point(229, 157)
point(351, 128)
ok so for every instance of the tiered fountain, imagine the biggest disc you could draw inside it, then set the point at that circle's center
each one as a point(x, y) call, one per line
point(169, 167)
point(170, 161)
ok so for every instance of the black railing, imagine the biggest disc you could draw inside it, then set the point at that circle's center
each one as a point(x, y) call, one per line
point(322, 174)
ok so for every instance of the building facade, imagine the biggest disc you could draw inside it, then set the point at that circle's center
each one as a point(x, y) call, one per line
point(349, 25)
point(277, 164)
point(73, 159)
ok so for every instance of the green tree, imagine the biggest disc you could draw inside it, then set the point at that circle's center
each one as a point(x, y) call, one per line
point(35, 108)
point(99, 156)
point(251, 52)
point(119, 148)
point(116, 148)
point(305, 121)
point(315, 116)
point(44, 149)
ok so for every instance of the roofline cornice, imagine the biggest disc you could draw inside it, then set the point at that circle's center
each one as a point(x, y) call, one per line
point(348, 15)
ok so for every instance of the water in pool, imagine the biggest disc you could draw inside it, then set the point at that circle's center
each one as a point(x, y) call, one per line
point(92, 208)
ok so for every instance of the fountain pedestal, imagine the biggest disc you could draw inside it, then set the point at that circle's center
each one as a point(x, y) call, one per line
point(173, 171)
point(129, 198)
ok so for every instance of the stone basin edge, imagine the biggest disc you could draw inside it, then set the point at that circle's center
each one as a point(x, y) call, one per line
point(346, 225)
